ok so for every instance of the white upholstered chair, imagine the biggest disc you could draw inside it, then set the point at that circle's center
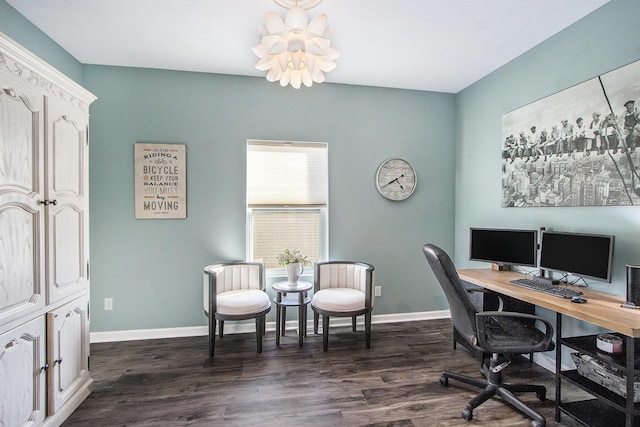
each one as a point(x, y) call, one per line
point(342, 289)
point(235, 291)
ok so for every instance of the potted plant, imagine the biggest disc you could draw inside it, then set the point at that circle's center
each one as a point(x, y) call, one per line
point(294, 261)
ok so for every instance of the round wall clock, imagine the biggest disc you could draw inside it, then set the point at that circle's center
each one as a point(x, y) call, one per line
point(396, 179)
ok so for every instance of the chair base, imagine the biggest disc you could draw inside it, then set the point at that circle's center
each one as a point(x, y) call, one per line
point(325, 325)
point(260, 319)
point(493, 386)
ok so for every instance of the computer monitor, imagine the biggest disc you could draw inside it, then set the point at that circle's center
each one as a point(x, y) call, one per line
point(504, 246)
point(577, 254)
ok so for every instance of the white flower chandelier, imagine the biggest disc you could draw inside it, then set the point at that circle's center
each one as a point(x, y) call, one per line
point(295, 51)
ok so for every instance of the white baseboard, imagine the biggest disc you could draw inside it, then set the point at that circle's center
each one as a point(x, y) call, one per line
point(245, 327)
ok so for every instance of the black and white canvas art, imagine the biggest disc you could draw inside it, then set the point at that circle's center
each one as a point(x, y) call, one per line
point(578, 147)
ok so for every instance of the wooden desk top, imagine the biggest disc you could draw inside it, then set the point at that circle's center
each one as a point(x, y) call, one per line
point(601, 309)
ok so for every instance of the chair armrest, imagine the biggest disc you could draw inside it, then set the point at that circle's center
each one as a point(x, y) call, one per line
point(543, 344)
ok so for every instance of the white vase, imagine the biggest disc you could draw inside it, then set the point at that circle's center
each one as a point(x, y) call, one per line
point(294, 270)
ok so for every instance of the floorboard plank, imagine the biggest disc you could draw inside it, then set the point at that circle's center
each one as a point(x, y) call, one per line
point(170, 382)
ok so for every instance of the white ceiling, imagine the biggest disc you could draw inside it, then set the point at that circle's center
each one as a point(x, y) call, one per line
point(442, 46)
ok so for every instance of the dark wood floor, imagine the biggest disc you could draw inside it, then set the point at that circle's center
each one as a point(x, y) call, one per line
point(396, 383)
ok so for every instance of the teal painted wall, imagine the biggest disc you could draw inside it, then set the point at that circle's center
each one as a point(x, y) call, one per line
point(602, 41)
point(153, 268)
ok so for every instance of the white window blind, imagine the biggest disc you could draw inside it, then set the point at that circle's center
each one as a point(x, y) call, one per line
point(286, 174)
point(276, 229)
point(287, 185)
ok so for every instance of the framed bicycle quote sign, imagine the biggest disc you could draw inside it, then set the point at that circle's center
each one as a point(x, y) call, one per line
point(160, 174)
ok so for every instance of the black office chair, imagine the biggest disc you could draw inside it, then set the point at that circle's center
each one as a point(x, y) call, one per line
point(495, 332)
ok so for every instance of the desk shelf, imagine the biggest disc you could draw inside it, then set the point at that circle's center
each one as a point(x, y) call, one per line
point(608, 408)
point(587, 345)
point(602, 393)
point(594, 413)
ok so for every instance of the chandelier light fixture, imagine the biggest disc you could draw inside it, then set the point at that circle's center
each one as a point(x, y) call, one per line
point(295, 50)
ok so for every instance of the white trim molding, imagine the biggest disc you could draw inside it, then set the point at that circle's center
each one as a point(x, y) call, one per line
point(29, 69)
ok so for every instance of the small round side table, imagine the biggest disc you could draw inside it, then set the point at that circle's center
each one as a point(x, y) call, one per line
point(288, 295)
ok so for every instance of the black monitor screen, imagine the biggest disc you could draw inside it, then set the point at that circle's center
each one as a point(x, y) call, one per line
point(504, 246)
point(582, 255)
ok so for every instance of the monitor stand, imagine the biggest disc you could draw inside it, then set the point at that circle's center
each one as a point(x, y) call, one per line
point(500, 267)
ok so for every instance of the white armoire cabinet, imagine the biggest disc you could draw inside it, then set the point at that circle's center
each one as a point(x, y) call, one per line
point(44, 241)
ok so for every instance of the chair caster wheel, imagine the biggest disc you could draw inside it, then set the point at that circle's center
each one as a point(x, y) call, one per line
point(467, 414)
point(444, 381)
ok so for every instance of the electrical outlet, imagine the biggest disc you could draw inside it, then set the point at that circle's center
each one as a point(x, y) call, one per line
point(378, 291)
point(108, 303)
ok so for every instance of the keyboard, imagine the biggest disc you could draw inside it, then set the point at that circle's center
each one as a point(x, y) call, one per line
point(546, 288)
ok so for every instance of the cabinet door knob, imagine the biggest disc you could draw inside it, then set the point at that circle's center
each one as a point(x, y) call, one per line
point(59, 361)
point(44, 202)
point(54, 202)
point(45, 367)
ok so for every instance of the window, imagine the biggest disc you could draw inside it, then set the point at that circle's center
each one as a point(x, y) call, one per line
point(287, 192)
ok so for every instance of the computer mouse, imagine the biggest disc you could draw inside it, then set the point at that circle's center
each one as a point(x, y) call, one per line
point(579, 300)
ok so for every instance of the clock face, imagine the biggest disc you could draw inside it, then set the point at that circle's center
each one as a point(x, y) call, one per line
point(396, 179)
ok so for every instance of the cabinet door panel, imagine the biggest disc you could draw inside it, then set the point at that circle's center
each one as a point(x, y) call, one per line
point(67, 226)
point(22, 382)
point(68, 329)
point(21, 214)
point(68, 142)
point(20, 146)
point(69, 270)
point(20, 279)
